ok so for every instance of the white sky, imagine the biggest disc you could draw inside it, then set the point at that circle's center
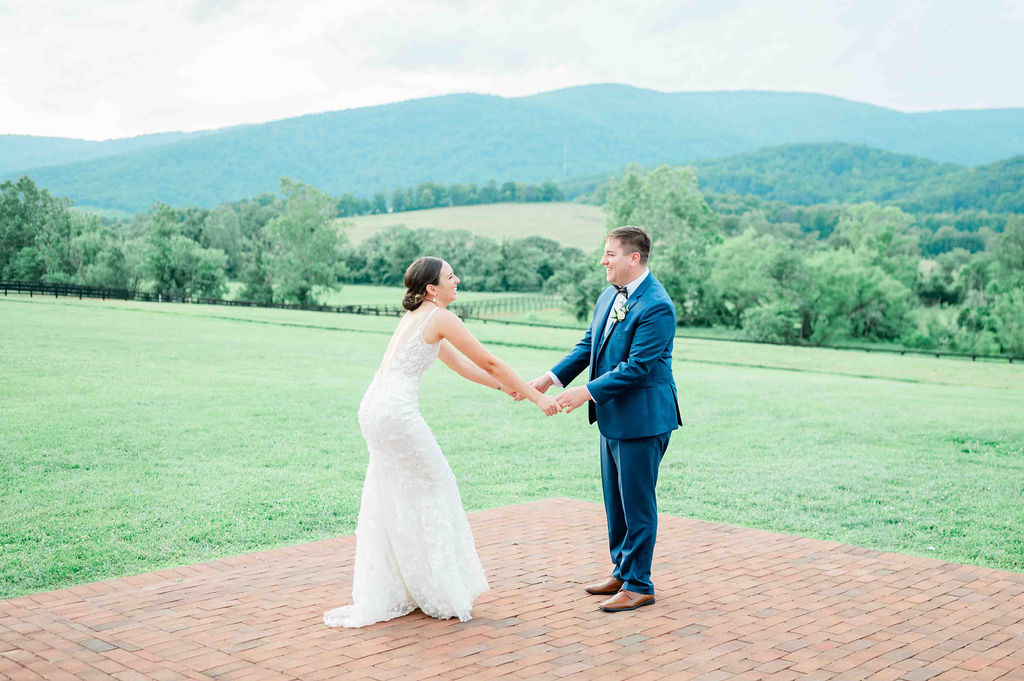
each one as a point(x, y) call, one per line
point(101, 68)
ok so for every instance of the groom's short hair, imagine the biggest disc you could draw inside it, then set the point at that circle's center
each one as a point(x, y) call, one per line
point(634, 240)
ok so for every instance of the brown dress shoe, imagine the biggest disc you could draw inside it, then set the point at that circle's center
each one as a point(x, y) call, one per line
point(626, 600)
point(606, 588)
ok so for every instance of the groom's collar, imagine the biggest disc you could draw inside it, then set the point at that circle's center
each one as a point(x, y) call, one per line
point(632, 286)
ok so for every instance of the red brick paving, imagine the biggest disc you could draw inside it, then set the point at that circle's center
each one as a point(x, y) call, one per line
point(733, 603)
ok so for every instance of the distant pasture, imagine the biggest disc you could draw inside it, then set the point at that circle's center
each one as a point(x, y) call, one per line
point(571, 224)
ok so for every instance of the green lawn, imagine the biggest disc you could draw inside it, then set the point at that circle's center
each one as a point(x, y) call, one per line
point(571, 224)
point(135, 436)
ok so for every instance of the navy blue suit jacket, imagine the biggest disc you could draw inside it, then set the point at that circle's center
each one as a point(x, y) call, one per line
point(631, 369)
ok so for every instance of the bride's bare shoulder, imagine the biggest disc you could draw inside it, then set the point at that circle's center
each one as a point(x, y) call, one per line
point(442, 322)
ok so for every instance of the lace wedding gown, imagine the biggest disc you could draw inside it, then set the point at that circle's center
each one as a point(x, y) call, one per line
point(414, 547)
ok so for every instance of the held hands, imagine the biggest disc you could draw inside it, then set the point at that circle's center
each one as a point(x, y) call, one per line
point(567, 400)
point(549, 405)
point(540, 384)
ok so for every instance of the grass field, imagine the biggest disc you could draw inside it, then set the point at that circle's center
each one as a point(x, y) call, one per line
point(571, 224)
point(135, 436)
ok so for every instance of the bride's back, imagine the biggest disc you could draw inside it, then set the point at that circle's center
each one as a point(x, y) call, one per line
point(408, 338)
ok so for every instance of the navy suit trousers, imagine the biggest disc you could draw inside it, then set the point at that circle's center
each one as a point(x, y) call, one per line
point(629, 474)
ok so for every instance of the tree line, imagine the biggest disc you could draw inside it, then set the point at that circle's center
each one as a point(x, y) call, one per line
point(818, 274)
point(434, 195)
point(282, 247)
point(821, 274)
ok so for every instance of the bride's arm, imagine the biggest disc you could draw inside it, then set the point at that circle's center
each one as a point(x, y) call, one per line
point(463, 367)
point(446, 325)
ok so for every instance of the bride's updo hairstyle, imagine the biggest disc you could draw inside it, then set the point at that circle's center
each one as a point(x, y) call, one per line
point(422, 272)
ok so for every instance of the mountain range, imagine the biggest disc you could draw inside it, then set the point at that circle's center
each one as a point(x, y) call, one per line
point(466, 138)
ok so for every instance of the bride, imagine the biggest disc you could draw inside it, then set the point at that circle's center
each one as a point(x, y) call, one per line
point(414, 548)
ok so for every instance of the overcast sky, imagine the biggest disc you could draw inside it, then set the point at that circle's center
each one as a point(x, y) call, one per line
point(99, 69)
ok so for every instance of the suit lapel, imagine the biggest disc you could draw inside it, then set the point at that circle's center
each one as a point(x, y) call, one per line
point(602, 319)
point(630, 304)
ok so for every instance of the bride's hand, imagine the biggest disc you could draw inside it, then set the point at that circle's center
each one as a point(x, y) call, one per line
point(548, 405)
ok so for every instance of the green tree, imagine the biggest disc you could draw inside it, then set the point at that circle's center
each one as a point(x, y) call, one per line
point(177, 265)
point(507, 192)
point(773, 321)
point(259, 286)
point(97, 254)
point(222, 229)
point(28, 264)
point(668, 204)
point(105, 261)
point(1007, 321)
point(461, 194)
point(34, 222)
point(383, 258)
point(489, 193)
point(402, 200)
point(849, 298)
point(1008, 256)
point(348, 206)
point(882, 236)
point(740, 274)
point(549, 191)
point(305, 246)
point(580, 282)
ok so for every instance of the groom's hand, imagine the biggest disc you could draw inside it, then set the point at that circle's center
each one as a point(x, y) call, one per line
point(573, 397)
point(540, 384)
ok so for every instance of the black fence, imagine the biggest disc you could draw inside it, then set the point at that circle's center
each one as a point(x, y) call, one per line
point(478, 310)
point(469, 310)
point(866, 348)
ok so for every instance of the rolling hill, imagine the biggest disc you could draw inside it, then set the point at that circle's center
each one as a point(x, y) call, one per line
point(474, 138)
point(997, 187)
point(804, 174)
point(26, 151)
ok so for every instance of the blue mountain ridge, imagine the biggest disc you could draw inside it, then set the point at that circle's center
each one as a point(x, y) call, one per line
point(578, 131)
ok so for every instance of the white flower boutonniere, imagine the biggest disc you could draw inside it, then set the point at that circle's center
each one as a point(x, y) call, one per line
point(620, 313)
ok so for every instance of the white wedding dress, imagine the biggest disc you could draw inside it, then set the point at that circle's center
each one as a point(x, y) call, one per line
point(414, 547)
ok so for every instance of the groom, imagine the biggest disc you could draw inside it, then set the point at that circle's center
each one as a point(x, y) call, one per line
point(632, 396)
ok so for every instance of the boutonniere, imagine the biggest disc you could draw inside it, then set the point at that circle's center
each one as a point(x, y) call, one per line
point(620, 313)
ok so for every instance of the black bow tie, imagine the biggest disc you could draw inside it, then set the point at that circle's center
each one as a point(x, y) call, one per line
point(622, 290)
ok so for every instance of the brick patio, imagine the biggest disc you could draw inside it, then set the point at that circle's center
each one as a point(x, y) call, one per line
point(732, 603)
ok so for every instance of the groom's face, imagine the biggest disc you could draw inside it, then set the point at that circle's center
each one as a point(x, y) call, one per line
point(620, 267)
